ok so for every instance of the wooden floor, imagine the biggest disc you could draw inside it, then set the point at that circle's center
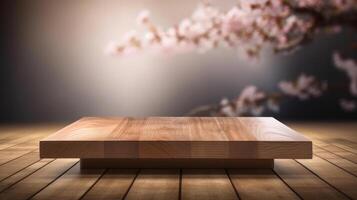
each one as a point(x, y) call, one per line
point(331, 174)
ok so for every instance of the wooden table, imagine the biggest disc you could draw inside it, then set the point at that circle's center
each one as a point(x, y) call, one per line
point(331, 174)
point(175, 142)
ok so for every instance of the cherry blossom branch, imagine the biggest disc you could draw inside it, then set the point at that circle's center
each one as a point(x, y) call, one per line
point(320, 21)
point(251, 25)
point(252, 101)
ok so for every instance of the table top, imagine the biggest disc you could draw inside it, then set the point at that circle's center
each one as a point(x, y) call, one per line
point(177, 129)
point(176, 138)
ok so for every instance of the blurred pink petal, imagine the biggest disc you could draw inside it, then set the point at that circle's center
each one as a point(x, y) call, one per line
point(143, 17)
point(348, 105)
point(350, 67)
point(303, 88)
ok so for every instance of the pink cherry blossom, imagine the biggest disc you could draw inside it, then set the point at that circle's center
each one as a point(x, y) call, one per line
point(252, 101)
point(143, 17)
point(227, 109)
point(304, 87)
point(348, 105)
point(249, 26)
point(112, 48)
point(350, 67)
point(278, 24)
point(249, 101)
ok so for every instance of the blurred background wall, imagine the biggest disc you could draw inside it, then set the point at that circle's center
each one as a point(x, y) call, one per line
point(53, 66)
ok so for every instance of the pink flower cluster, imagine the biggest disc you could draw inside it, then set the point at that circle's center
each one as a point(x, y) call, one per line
point(328, 6)
point(249, 102)
point(249, 25)
point(349, 66)
point(252, 101)
point(348, 105)
point(303, 87)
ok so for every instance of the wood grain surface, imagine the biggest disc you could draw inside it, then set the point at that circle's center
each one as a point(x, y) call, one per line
point(113, 185)
point(177, 137)
point(144, 163)
point(258, 183)
point(155, 184)
point(329, 175)
point(195, 185)
point(71, 185)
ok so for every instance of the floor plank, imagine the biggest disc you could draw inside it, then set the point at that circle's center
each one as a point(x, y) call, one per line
point(18, 134)
point(305, 183)
point(345, 144)
point(32, 184)
point(16, 151)
point(155, 184)
point(113, 185)
point(206, 184)
point(71, 185)
point(327, 130)
point(337, 160)
point(340, 152)
point(259, 183)
point(6, 183)
point(14, 166)
point(9, 142)
point(7, 156)
point(331, 146)
point(335, 176)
